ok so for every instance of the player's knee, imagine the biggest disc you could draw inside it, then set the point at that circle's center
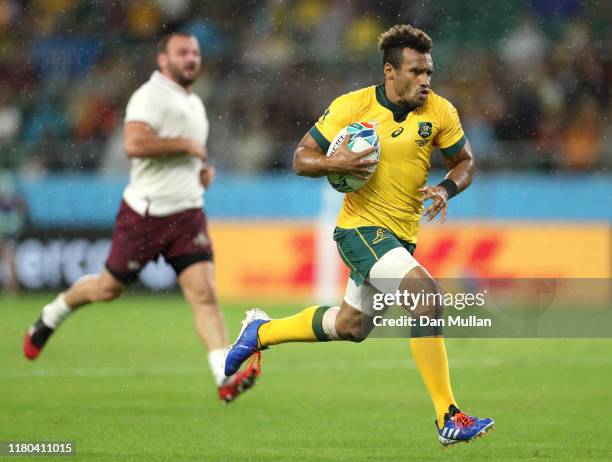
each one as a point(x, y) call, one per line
point(420, 282)
point(202, 299)
point(108, 291)
point(107, 294)
point(432, 310)
point(431, 306)
point(351, 329)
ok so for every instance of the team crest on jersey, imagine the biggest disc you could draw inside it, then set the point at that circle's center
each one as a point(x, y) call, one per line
point(425, 129)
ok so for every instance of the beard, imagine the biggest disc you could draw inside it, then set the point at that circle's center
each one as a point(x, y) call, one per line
point(179, 76)
point(408, 97)
point(411, 104)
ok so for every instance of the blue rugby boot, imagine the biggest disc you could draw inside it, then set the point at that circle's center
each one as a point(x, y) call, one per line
point(461, 428)
point(247, 342)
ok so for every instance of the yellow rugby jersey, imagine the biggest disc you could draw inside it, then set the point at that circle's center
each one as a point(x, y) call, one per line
point(407, 139)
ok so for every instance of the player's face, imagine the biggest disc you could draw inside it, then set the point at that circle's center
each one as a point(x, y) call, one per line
point(182, 60)
point(412, 80)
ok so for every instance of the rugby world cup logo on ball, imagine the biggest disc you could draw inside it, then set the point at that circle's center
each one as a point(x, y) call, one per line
point(362, 136)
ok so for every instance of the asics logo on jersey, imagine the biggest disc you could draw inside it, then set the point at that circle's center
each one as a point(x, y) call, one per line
point(380, 235)
point(397, 132)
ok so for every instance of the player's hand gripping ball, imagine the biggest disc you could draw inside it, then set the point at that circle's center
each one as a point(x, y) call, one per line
point(362, 136)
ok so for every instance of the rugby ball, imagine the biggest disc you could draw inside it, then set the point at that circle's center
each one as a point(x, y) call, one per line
point(362, 136)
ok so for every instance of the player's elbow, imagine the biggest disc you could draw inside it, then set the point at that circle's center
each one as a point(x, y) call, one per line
point(298, 165)
point(299, 171)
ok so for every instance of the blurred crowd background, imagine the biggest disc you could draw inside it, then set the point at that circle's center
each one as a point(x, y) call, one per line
point(532, 79)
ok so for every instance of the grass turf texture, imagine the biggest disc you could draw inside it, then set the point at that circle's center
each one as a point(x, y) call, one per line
point(129, 381)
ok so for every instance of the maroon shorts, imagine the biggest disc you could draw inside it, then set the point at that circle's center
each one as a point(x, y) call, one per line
point(181, 238)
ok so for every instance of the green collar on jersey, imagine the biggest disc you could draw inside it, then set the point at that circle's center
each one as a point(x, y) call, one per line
point(399, 112)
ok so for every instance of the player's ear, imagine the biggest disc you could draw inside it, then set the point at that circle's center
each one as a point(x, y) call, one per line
point(389, 71)
point(162, 60)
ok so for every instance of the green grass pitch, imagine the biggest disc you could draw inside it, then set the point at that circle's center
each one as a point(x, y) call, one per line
point(129, 381)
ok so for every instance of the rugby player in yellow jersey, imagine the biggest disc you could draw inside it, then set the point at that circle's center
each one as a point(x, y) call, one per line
point(378, 224)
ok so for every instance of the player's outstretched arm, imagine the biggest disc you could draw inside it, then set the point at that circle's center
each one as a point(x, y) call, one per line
point(140, 140)
point(460, 174)
point(310, 160)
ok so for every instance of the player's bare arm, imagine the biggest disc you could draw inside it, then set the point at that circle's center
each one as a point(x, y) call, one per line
point(309, 160)
point(461, 170)
point(207, 175)
point(141, 140)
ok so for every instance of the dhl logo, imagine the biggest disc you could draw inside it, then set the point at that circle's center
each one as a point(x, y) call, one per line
point(284, 260)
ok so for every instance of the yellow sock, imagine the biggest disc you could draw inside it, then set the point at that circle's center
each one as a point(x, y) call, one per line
point(429, 354)
point(303, 327)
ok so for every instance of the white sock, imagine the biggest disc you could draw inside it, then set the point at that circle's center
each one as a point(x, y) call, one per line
point(216, 360)
point(55, 312)
point(329, 323)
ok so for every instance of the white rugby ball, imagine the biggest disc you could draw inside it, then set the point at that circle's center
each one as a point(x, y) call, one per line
point(362, 136)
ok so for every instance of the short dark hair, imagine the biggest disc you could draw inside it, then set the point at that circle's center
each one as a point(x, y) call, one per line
point(162, 45)
point(393, 41)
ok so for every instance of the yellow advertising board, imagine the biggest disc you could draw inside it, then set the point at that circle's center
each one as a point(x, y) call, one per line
point(509, 250)
point(278, 259)
point(264, 259)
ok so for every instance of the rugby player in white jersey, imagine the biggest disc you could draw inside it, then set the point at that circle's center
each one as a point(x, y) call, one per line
point(161, 213)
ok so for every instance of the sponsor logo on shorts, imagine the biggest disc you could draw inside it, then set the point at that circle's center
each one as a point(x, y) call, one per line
point(133, 265)
point(380, 235)
point(201, 240)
